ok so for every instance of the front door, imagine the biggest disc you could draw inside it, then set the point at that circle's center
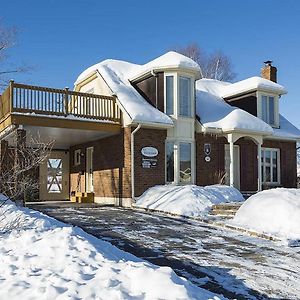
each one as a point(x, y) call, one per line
point(89, 170)
point(236, 158)
point(54, 177)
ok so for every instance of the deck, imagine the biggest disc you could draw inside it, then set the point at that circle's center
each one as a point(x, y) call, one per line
point(22, 104)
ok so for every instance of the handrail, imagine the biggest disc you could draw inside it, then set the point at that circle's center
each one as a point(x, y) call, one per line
point(23, 98)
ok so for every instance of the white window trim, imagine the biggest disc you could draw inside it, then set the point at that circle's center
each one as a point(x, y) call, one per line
point(77, 157)
point(176, 110)
point(276, 106)
point(271, 166)
point(177, 160)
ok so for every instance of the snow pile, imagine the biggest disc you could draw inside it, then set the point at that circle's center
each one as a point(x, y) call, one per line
point(275, 212)
point(215, 112)
point(187, 200)
point(252, 84)
point(42, 258)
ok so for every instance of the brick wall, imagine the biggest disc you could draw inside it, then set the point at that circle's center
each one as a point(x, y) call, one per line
point(248, 164)
point(288, 161)
point(144, 177)
point(209, 172)
point(111, 165)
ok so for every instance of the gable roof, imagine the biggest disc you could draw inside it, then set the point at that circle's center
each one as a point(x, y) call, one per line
point(252, 84)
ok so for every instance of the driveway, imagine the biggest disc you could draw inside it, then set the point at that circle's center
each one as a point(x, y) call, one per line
point(217, 259)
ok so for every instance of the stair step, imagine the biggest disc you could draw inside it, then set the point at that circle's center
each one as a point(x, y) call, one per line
point(223, 212)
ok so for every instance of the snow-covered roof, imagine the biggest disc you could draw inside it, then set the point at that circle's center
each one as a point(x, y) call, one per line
point(252, 84)
point(116, 74)
point(214, 112)
point(287, 130)
point(169, 60)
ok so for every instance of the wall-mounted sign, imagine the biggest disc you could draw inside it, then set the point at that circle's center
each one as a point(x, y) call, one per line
point(148, 163)
point(207, 149)
point(149, 151)
point(207, 158)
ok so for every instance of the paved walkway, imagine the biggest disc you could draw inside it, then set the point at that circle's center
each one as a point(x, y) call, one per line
point(223, 261)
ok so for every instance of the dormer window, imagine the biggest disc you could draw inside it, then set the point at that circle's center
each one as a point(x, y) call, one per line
point(268, 109)
point(185, 102)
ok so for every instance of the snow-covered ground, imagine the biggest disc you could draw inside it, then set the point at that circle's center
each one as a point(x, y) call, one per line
point(275, 212)
point(42, 258)
point(187, 200)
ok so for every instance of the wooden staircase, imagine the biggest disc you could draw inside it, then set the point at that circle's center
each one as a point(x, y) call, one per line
point(82, 197)
point(226, 210)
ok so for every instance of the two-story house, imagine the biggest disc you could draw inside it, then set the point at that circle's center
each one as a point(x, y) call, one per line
point(158, 123)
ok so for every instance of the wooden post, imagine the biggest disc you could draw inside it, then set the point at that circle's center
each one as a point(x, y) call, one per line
point(259, 179)
point(11, 95)
point(66, 101)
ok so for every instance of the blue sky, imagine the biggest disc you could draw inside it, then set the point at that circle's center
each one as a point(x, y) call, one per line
point(61, 38)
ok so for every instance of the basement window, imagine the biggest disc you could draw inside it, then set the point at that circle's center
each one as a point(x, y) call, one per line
point(270, 165)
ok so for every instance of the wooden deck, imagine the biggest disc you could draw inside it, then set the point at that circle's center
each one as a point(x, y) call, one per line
point(22, 104)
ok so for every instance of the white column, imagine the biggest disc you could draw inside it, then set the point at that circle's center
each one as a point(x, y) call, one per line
point(231, 163)
point(259, 179)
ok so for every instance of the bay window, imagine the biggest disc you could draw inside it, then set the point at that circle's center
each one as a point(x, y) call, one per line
point(170, 161)
point(185, 162)
point(270, 165)
point(185, 101)
point(169, 95)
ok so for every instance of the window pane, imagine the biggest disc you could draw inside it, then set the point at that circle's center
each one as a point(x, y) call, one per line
point(275, 168)
point(185, 96)
point(264, 102)
point(170, 161)
point(54, 175)
point(185, 162)
point(268, 174)
point(268, 156)
point(170, 95)
point(271, 111)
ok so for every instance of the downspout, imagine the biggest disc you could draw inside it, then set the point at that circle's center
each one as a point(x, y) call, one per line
point(132, 158)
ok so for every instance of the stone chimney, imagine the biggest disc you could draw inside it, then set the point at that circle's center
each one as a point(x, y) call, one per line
point(269, 72)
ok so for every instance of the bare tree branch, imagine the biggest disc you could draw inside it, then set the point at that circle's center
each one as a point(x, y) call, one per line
point(214, 66)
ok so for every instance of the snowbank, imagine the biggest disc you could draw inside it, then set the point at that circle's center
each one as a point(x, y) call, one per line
point(275, 212)
point(187, 200)
point(42, 258)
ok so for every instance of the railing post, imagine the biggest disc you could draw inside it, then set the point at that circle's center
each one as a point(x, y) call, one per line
point(66, 101)
point(11, 95)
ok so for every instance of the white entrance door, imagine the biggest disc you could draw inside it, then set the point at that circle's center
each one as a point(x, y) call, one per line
point(54, 177)
point(236, 157)
point(89, 170)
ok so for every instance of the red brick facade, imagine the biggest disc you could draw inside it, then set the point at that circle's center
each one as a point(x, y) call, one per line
point(209, 172)
point(111, 165)
point(148, 177)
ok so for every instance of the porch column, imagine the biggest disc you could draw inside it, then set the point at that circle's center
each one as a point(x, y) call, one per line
point(259, 179)
point(231, 173)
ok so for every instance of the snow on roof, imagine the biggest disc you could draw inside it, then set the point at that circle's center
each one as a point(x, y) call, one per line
point(115, 73)
point(286, 130)
point(214, 112)
point(252, 84)
point(169, 60)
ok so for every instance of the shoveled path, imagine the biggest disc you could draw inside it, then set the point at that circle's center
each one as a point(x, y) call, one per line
point(223, 261)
